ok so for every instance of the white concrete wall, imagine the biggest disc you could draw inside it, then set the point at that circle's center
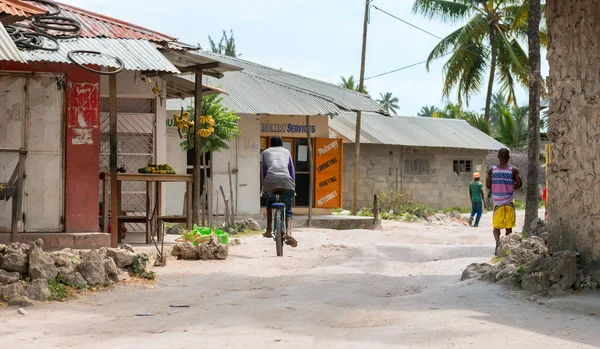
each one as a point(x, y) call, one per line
point(244, 156)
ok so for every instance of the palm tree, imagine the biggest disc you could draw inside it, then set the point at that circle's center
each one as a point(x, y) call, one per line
point(499, 103)
point(488, 40)
point(427, 111)
point(511, 129)
point(226, 45)
point(389, 102)
point(478, 121)
point(450, 111)
point(351, 84)
point(533, 153)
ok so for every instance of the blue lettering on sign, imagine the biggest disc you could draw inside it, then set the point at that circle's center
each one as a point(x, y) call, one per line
point(286, 128)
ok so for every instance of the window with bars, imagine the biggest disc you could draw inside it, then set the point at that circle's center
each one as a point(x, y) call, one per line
point(462, 166)
point(416, 166)
point(136, 121)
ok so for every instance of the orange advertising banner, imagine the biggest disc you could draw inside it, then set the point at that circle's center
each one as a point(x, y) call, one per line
point(328, 172)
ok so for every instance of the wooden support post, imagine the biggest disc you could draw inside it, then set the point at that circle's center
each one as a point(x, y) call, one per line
point(17, 199)
point(311, 192)
point(105, 203)
point(114, 195)
point(209, 199)
point(149, 209)
point(376, 215)
point(118, 211)
point(227, 213)
point(232, 211)
point(197, 153)
point(188, 206)
point(159, 211)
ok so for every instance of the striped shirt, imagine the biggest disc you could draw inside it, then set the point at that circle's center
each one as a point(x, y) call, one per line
point(503, 185)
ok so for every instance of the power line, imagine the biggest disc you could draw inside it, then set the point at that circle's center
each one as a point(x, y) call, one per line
point(407, 23)
point(422, 30)
point(396, 70)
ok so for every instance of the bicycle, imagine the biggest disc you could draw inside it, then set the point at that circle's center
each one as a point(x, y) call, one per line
point(279, 228)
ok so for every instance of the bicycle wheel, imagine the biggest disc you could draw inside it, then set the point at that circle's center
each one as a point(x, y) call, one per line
point(278, 232)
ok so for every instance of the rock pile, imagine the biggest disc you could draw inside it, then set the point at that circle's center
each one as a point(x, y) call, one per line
point(213, 249)
point(25, 270)
point(247, 224)
point(526, 263)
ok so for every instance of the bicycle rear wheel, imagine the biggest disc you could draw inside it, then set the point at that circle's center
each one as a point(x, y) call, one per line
point(279, 232)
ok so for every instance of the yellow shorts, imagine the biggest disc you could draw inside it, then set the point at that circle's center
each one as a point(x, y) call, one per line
point(504, 217)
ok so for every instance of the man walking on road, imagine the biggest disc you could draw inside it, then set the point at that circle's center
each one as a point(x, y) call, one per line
point(503, 179)
point(476, 195)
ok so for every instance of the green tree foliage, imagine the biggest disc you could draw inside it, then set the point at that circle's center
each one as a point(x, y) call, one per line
point(511, 129)
point(351, 84)
point(450, 111)
point(488, 42)
point(226, 127)
point(389, 102)
point(225, 46)
point(427, 111)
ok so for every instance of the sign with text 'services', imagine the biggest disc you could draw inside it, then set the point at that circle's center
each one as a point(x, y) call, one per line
point(328, 173)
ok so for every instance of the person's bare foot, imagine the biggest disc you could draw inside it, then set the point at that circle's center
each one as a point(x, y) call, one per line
point(267, 234)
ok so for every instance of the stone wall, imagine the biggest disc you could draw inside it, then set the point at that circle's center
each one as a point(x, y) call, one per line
point(382, 169)
point(574, 175)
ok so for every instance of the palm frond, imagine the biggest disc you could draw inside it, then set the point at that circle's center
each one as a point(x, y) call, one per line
point(446, 11)
point(427, 111)
point(478, 121)
point(513, 66)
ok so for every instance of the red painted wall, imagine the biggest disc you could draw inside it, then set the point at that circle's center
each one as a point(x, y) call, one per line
point(82, 143)
point(82, 146)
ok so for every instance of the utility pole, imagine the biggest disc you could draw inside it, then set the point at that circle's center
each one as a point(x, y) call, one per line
point(361, 86)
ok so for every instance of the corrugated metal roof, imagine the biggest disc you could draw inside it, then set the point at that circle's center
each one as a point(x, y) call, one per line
point(138, 55)
point(19, 8)
point(183, 60)
point(178, 87)
point(8, 49)
point(97, 25)
point(251, 95)
point(344, 98)
point(413, 131)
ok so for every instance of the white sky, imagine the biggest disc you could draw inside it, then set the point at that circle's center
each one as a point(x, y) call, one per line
point(315, 38)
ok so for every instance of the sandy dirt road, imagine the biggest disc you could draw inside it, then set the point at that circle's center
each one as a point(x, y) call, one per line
point(396, 288)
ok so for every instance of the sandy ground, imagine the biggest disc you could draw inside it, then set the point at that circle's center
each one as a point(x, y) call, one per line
point(394, 288)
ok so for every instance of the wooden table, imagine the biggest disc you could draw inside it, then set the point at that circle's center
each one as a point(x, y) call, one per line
point(153, 199)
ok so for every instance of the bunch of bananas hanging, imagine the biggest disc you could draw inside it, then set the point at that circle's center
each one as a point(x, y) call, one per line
point(183, 121)
point(207, 126)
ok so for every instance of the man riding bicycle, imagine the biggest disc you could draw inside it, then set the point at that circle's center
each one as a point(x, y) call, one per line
point(277, 175)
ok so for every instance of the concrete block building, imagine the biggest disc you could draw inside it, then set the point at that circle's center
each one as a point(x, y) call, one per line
point(433, 159)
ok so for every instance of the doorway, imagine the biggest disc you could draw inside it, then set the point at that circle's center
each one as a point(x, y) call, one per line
point(298, 147)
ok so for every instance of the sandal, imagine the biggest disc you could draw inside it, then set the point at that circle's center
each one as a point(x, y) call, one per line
point(291, 241)
point(267, 235)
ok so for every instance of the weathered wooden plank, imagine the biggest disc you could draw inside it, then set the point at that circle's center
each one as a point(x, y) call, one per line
point(115, 194)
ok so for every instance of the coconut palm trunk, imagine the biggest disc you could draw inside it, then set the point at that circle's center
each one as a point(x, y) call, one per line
point(531, 209)
point(490, 89)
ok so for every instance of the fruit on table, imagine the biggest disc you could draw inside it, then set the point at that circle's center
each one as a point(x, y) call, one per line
point(157, 169)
